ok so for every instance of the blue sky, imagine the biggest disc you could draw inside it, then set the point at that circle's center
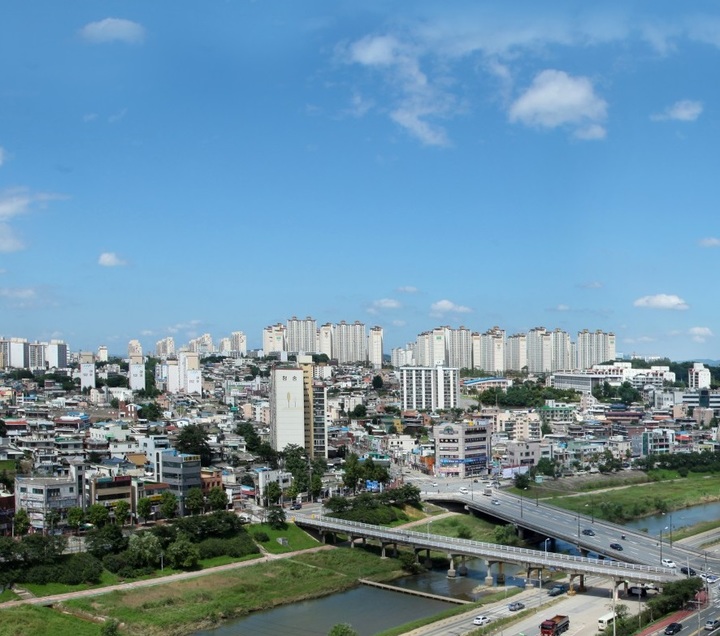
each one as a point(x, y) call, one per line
point(172, 168)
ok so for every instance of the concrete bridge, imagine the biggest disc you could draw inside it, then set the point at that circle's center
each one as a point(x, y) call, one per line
point(458, 550)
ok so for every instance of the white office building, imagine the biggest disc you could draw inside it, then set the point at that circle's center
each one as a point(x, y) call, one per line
point(287, 408)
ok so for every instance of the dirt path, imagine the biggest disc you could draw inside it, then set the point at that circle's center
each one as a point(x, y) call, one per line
point(161, 580)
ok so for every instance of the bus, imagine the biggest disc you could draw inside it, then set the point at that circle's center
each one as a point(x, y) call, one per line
point(605, 621)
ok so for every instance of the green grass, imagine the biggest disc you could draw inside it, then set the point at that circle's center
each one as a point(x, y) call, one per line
point(49, 589)
point(297, 539)
point(7, 464)
point(8, 595)
point(478, 529)
point(29, 620)
point(183, 607)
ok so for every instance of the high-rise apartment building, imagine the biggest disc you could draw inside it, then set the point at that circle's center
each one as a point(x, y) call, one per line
point(14, 352)
point(350, 342)
point(375, 347)
point(87, 370)
point(134, 348)
point(190, 378)
point(287, 407)
point(56, 354)
point(274, 339)
point(459, 347)
point(489, 351)
point(165, 347)
point(403, 357)
point(560, 355)
point(326, 340)
point(429, 388)
point(302, 335)
point(539, 350)
point(238, 343)
point(594, 348)
point(102, 353)
point(699, 376)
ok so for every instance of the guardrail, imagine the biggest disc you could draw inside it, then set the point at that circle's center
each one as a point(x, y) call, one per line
point(492, 551)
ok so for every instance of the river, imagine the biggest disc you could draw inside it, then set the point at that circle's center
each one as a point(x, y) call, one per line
point(371, 610)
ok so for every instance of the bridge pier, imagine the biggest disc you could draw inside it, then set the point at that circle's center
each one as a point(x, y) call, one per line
point(581, 582)
point(500, 577)
point(462, 568)
point(451, 570)
point(428, 560)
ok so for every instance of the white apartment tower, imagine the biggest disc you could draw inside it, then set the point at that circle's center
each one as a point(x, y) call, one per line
point(326, 340)
point(274, 339)
point(87, 370)
point(375, 347)
point(489, 351)
point(516, 356)
point(350, 342)
point(594, 348)
point(429, 388)
point(190, 379)
point(56, 354)
point(539, 350)
point(301, 335)
point(698, 376)
point(165, 347)
point(238, 343)
point(287, 408)
point(459, 348)
point(102, 353)
point(560, 342)
point(134, 348)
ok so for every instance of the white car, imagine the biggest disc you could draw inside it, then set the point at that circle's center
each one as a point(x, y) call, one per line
point(495, 502)
point(481, 620)
point(434, 484)
point(668, 563)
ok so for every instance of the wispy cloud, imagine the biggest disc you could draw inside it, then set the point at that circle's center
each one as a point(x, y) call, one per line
point(113, 30)
point(661, 301)
point(442, 307)
point(387, 303)
point(3, 155)
point(556, 99)
point(700, 334)
point(116, 117)
point(639, 340)
point(593, 284)
point(398, 323)
point(110, 259)
point(562, 307)
point(25, 298)
point(408, 289)
point(684, 110)
point(184, 326)
point(16, 202)
point(710, 242)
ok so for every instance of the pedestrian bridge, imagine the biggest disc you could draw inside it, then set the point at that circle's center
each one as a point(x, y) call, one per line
point(455, 548)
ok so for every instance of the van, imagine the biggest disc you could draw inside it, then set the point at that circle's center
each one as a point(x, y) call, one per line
point(464, 491)
point(637, 591)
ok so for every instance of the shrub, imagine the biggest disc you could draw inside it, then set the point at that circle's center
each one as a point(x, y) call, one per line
point(261, 537)
point(81, 568)
point(115, 562)
point(241, 546)
point(212, 548)
point(40, 574)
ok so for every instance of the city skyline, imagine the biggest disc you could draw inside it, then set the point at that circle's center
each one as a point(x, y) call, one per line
point(405, 166)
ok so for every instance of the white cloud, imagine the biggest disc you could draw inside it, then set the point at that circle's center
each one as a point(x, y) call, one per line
point(16, 202)
point(684, 110)
point(113, 30)
point(110, 259)
point(386, 303)
point(710, 242)
point(447, 307)
point(146, 332)
point(407, 289)
point(88, 117)
point(639, 340)
point(562, 307)
point(9, 242)
point(25, 298)
point(593, 284)
point(415, 100)
point(398, 323)
point(700, 334)
point(116, 117)
point(661, 301)
point(557, 99)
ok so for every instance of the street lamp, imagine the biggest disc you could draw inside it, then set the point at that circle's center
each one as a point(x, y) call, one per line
point(661, 533)
point(545, 546)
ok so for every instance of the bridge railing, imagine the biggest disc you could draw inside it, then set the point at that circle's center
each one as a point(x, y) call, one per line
point(469, 547)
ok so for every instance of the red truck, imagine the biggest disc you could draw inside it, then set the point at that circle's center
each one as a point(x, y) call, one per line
point(555, 625)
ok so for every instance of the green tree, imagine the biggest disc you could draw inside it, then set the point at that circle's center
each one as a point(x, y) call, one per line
point(217, 498)
point(151, 412)
point(273, 492)
point(122, 509)
point(52, 518)
point(21, 522)
point(342, 629)
point(545, 467)
point(168, 504)
point(353, 472)
point(94, 457)
point(249, 434)
point(195, 501)
point(377, 383)
point(359, 411)
point(144, 549)
point(106, 540)
point(75, 516)
point(110, 628)
point(193, 439)
point(114, 403)
point(182, 554)
point(98, 515)
point(276, 518)
point(144, 508)
point(522, 481)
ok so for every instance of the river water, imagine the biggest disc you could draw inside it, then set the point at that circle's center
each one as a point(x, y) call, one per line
point(370, 610)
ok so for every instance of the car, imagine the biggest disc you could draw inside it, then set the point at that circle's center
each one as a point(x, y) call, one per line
point(515, 606)
point(712, 624)
point(711, 578)
point(296, 506)
point(558, 589)
point(668, 563)
point(673, 628)
point(481, 620)
point(463, 490)
point(589, 532)
point(434, 484)
point(688, 571)
point(495, 502)
point(616, 546)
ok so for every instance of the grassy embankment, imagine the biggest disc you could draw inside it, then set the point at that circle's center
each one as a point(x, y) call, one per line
point(185, 606)
point(28, 620)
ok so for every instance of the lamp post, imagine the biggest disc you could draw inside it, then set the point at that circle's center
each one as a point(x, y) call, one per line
point(545, 542)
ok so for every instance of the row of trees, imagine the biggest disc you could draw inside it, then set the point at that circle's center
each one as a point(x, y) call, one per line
point(379, 509)
point(526, 395)
point(700, 462)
